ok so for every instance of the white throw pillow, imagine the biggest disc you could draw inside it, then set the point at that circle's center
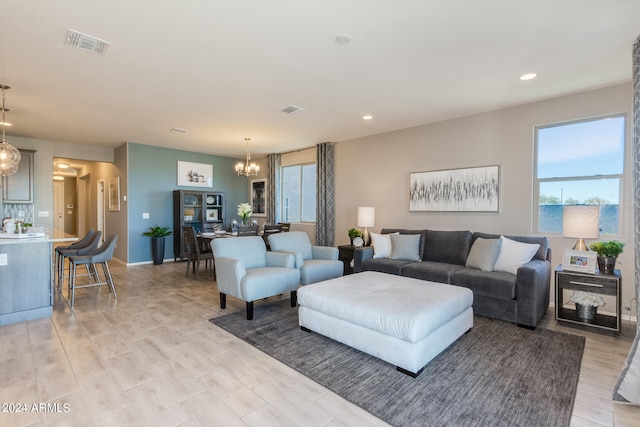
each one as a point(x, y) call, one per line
point(381, 245)
point(484, 254)
point(514, 254)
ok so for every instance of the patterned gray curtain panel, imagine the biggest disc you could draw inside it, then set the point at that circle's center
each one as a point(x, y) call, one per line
point(325, 194)
point(627, 388)
point(273, 185)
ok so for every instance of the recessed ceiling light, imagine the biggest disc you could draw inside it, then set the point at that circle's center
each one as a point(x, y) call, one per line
point(528, 76)
point(343, 39)
point(367, 117)
point(63, 165)
point(5, 123)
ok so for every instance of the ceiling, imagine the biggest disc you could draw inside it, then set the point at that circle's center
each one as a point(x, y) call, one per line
point(224, 70)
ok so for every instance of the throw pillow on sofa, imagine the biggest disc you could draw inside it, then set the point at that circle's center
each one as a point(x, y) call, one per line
point(381, 245)
point(514, 254)
point(405, 247)
point(484, 254)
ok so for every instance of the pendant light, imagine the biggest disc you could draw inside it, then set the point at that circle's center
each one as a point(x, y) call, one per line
point(247, 169)
point(9, 155)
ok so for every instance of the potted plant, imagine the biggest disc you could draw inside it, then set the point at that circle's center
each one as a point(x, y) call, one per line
point(157, 235)
point(587, 304)
point(244, 212)
point(607, 254)
point(353, 233)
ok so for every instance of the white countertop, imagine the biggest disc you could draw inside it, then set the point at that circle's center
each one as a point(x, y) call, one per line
point(5, 240)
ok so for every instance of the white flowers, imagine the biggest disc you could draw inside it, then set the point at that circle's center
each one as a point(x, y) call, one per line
point(244, 211)
point(587, 298)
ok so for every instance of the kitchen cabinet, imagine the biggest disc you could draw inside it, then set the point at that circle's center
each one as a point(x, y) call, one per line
point(18, 188)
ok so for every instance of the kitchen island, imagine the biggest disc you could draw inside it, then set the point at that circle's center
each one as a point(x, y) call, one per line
point(26, 286)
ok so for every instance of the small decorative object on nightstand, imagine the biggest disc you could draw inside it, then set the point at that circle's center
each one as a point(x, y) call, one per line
point(345, 254)
point(588, 290)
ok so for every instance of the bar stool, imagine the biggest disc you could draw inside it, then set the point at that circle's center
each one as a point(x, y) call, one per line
point(84, 250)
point(102, 255)
point(76, 245)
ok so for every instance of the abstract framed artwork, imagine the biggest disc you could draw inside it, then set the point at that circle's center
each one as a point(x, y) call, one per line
point(259, 197)
point(114, 194)
point(455, 190)
point(195, 174)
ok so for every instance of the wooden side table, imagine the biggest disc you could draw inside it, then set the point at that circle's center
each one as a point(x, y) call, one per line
point(603, 284)
point(345, 254)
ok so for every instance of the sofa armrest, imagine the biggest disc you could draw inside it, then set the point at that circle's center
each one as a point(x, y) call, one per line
point(360, 255)
point(532, 292)
point(229, 274)
point(280, 259)
point(324, 252)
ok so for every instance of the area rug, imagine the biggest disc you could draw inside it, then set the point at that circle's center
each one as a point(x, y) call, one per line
point(497, 374)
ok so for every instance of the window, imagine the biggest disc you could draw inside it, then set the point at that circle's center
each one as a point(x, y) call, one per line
point(299, 193)
point(580, 163)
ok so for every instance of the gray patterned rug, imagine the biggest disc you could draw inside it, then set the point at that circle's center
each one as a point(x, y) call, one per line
point(497, 374)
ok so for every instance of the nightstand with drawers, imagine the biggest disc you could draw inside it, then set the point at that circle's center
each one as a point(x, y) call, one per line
point(603, 284)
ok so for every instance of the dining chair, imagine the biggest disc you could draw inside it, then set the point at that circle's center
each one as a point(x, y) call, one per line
point(196, 252)
point(285, 226)
point(101, 255)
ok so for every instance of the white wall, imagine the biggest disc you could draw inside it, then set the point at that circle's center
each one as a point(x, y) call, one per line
point(374, 171)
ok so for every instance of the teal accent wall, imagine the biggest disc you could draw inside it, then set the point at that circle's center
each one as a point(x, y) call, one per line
point(151, 179)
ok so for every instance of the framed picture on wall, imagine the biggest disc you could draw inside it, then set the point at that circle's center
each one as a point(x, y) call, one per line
point(195, 174)
point(114, 194)
point(259, 197)
point(455, 190)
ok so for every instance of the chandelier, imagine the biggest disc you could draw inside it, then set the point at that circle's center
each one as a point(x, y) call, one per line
point(248, 168)
point(9, 155)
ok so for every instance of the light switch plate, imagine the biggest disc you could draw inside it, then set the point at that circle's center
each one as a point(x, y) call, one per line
point(145, 215)
point(3, 259)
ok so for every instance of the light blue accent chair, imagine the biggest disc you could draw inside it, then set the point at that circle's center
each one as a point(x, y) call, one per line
point(246, 271)
point(316, 263)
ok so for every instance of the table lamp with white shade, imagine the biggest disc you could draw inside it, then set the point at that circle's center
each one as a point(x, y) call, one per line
point(581, 222)
point(366, 218)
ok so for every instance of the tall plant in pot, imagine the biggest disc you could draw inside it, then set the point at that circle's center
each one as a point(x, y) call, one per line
point(607, 254)
point(157, 235)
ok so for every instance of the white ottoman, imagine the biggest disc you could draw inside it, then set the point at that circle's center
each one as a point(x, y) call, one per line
point(403, 321)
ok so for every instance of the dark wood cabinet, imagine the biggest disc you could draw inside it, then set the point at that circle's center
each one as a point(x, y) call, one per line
point(603, 284)
point(18, 188)
point(203, 210)
point(345, 254)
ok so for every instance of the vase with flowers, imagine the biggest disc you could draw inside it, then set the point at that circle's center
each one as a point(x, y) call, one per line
point(587, 304)
point(244, 212)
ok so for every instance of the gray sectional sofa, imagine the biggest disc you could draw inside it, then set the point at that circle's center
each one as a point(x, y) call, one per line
point(522, 298)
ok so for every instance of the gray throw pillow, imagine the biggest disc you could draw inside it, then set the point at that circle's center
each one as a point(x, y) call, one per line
point(484, 254)
point(405, 247)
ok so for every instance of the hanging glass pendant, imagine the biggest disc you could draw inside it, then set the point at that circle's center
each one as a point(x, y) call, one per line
point(9, 155)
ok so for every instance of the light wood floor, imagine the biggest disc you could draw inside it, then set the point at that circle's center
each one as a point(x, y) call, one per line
point(151, 358)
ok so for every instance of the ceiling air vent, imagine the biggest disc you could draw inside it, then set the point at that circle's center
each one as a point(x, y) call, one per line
point(86, 42)
point(292, 109)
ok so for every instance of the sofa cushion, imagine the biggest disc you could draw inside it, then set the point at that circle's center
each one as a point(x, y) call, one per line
point(496, 284)
point(483, 254)
point(422, 234)
point(541, 240)
point(514, 254)
point(405, 246)
point(381, 245)
point(433, 271)
point(384, 265)
point(451, 247)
